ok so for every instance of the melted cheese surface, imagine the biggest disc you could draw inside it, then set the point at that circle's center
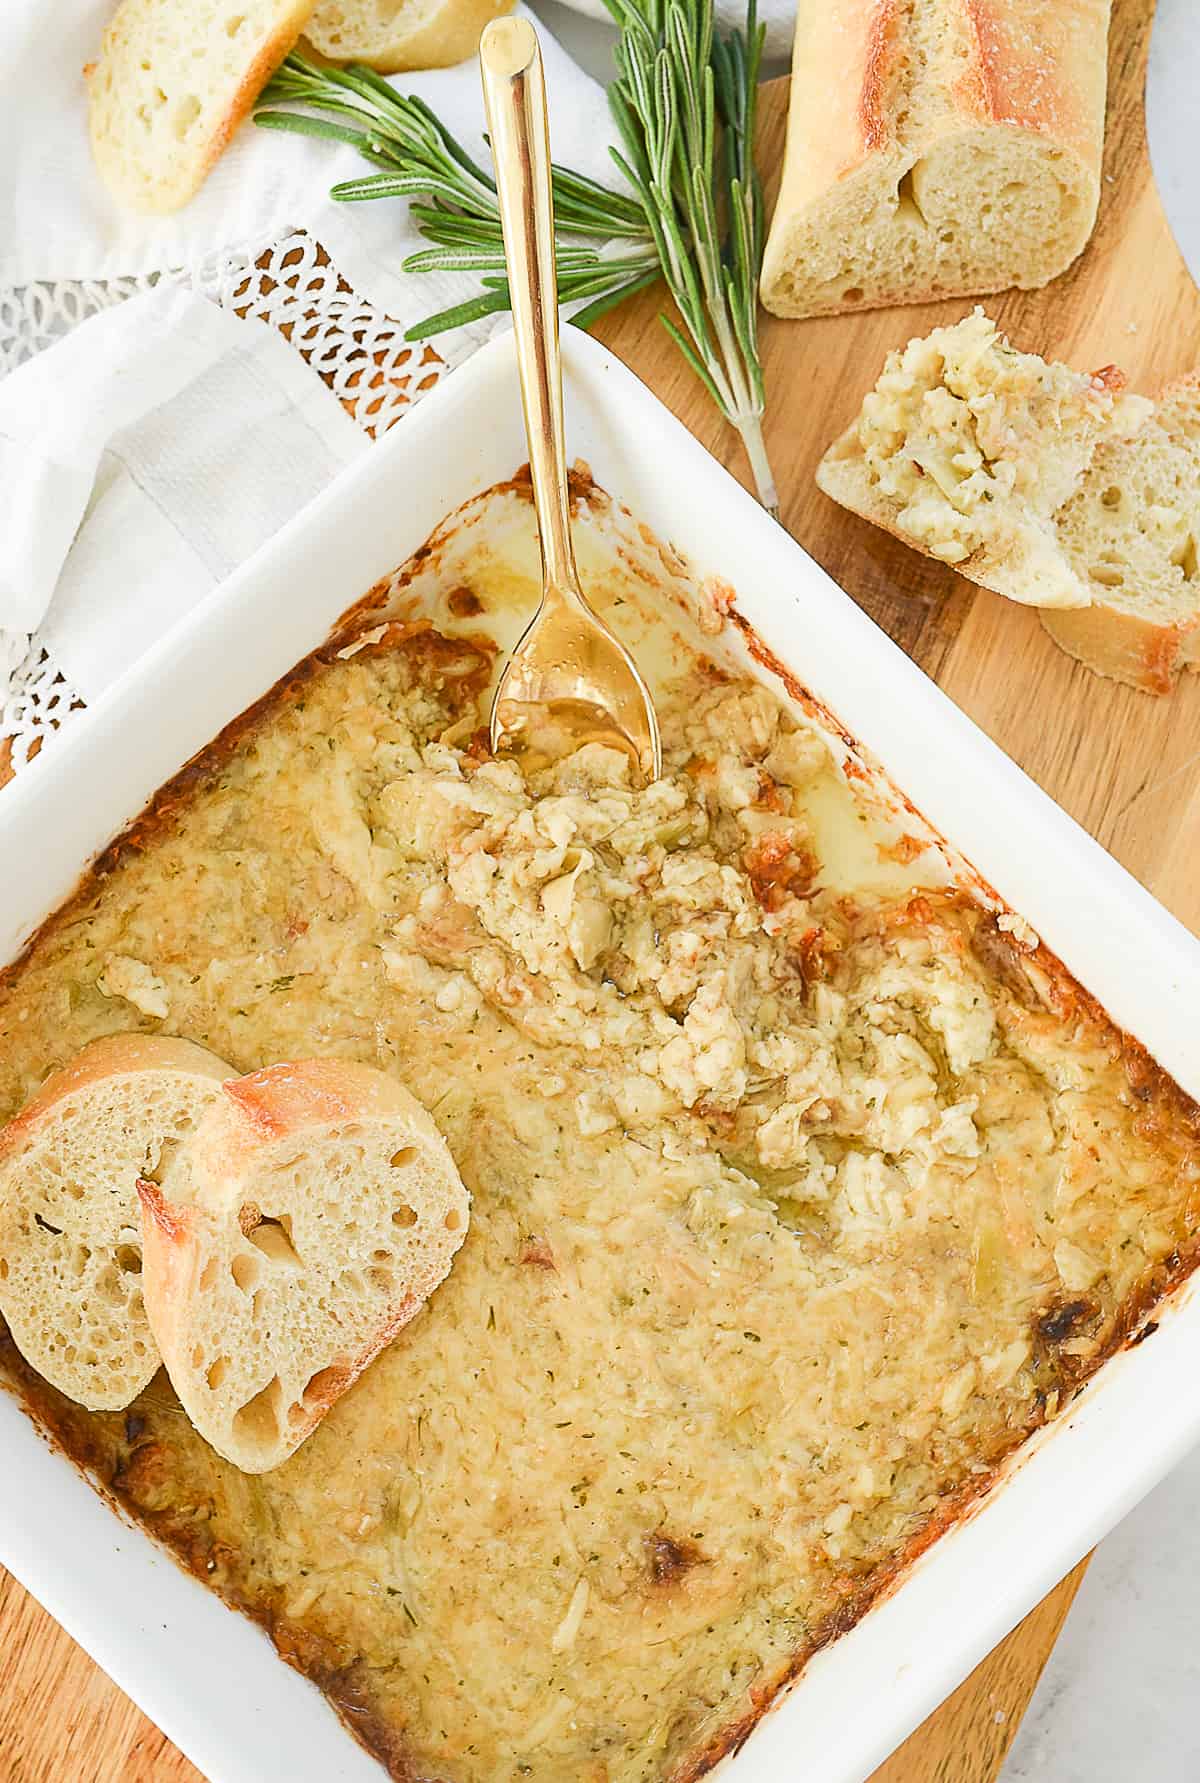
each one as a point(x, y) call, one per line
point(802, 1188)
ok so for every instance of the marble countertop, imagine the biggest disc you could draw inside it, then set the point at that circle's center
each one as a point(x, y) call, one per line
point(1118, 1701)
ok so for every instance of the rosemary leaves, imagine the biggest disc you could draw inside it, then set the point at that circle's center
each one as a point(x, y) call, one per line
point(684, 105)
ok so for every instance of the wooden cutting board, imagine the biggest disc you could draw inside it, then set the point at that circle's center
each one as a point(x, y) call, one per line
point(1126, 765)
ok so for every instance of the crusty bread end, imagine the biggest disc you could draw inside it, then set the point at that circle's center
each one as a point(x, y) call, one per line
point(938, 148)
point(1132, 533)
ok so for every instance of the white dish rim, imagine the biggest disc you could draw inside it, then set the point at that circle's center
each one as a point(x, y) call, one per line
point(173, 1647)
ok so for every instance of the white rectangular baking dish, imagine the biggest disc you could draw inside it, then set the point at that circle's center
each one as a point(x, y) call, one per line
point(208, 1678)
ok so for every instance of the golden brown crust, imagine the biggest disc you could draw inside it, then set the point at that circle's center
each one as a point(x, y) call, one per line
point(878, 58)
point(111, 92)
point(436, 660)
point(300, 1093)
point(283, 1099)
point(1021, 51)
point(163, 1223)
point(842, 74)
point(136, 1475)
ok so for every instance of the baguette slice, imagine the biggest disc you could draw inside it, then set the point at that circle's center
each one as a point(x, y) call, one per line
point(172, 84)
point(1133, 534)
point(70, 1236)
point(395, 35)
point(314, 1212)
point(936, 148)
point(967, 450)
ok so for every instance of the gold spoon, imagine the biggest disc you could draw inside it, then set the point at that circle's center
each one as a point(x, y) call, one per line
point(569, 675)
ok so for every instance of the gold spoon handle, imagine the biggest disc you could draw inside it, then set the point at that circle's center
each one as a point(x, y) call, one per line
point(514, 93)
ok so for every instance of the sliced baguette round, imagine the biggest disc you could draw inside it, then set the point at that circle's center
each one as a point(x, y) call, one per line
point(393, 36)
point(70, 1232)
point(313, 1213)
point(171, 85)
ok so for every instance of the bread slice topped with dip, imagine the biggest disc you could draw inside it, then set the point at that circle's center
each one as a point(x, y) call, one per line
point(1054, 487)
point(314, 1212)
point(71, 1279)
point(967, 449)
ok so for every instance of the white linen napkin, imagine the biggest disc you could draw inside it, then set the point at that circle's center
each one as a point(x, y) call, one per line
point(142, 458)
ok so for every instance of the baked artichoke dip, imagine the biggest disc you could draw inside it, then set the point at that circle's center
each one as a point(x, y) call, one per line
point(806, 1182)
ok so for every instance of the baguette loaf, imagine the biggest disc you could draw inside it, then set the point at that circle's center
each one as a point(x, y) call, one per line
point(70, 1236)
point(172, 84)
point(311, 1216)
point(968, 450)
point(394, 35)
point(936, 148)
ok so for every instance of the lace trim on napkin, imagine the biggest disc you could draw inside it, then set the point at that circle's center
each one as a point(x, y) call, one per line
point(291, 284)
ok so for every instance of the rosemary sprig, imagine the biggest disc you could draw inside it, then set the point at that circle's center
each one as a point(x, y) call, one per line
point(684, 105)
point(453, 199)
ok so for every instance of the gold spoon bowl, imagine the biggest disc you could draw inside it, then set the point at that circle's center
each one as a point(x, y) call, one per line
point(569, 679)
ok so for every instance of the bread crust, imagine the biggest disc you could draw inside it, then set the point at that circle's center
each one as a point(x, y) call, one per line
point(1040, 68)
point(838, 115)
point(289, 1099)
point(1024, 71)
point(258, 73)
